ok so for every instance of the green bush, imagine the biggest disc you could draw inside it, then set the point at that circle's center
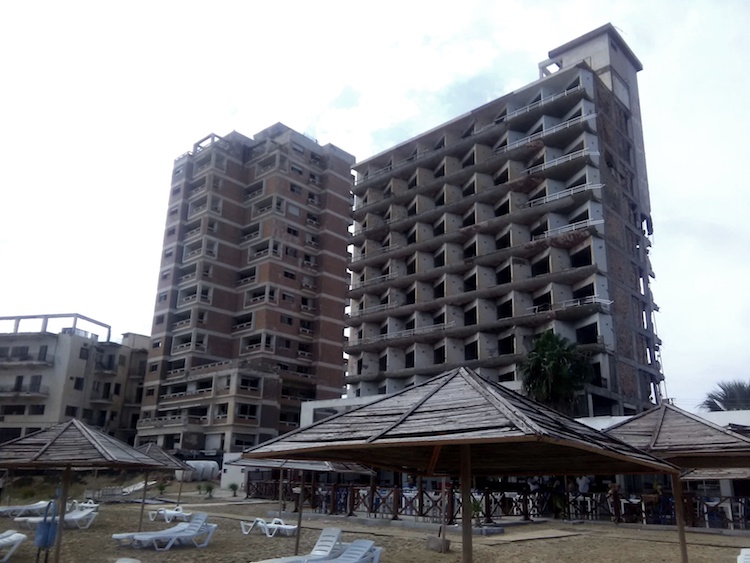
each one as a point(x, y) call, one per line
point(209, 490)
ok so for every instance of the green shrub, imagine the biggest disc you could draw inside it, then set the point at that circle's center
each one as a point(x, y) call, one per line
point(234, 487)
point(209, 490)
point(199, 487)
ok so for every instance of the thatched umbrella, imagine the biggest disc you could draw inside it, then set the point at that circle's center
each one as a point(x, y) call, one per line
point(686, 440)
point(459, 422)
point(168, 461)
point(67, 446)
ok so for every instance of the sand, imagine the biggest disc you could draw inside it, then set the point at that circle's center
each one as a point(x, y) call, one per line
point(539, 542)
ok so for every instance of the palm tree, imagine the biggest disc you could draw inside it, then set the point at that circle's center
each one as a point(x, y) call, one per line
point(730, 396)
point(555, 371)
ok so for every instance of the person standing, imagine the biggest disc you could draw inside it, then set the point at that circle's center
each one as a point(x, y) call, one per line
point(583, 484)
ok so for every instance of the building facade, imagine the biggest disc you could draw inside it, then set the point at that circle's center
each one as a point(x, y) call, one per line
point(50, 375)
point(527, 214)
point(249, 315)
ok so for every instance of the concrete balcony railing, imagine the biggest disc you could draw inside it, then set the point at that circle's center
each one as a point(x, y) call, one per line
point(181, 421)
point(12, 390)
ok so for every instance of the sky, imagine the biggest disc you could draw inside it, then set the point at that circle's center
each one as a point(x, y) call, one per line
point(98, 98)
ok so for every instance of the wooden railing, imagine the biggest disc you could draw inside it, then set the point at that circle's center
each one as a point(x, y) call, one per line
point(396, 503)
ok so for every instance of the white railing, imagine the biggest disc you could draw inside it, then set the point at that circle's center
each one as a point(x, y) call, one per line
point(375, 252)
point(374, 309)
point(589, 300)
point(561, 160)
point(564, 193)
point(417, 156)
point(570, 228)
point(406, 333)
point(533, 137)
point(373, 281)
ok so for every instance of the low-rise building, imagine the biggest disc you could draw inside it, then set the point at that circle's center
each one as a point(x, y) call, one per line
point(57, 367)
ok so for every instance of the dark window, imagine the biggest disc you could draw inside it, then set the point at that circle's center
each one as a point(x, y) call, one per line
point(83, 354)
point(78, 384)
point(471, 351)
point(36, 409)
point(149, 392)
point(71, 411)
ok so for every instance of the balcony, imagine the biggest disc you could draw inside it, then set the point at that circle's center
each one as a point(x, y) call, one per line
point(23, 361)
point(98, 397)
point(180, 421)
point(405, 333)
point(102, 369)
point(570, 228)
point(26, 390)
point(186, 395)
point(580, 302)
point(196, 210)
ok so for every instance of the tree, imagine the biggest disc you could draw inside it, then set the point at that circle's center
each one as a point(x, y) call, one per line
point(555, 371)
point(729, 396)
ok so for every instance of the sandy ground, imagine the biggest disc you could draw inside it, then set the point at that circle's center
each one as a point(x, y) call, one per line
point(547, 542)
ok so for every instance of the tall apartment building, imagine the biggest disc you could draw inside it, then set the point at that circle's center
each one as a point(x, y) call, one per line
point(249, 315)
point(526, 214)
point(50, 375)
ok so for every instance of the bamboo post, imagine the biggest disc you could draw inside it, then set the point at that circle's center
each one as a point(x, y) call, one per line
point(444, 522)
point(350, 501)
point(466, 532)
point(679, 514)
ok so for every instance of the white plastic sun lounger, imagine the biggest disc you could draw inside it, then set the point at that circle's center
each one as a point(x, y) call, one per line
point(169, 514)
point(127, 537)
point(359, 551)
point(80, 519)
point(271, 528)
point(10, 540)
point(197, 529)
point(328, 546)
point(35, 509)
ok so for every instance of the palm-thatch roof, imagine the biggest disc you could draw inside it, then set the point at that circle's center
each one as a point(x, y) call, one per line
point(684, 439)
point(423, 428)
point(72, 444)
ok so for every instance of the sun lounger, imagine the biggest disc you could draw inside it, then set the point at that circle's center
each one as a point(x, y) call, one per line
point(169, 514)
point(126, 539)
point(80, 519)
point(328, 546)
point(359, 551)
point(271, 528)
point(35, 509)
point(744, 556)
point(198, 532)
point(10, 541)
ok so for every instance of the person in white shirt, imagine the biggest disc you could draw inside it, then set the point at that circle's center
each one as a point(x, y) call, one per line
point(583, 484)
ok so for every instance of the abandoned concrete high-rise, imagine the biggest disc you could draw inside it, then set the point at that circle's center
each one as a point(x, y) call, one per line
point(249, 314)
point(526, 214)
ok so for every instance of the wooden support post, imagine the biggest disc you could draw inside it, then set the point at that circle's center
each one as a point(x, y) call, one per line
point(143, 501)
point(396, 502)
point(350, 500)
point(466, 532)
point(679, 515)
point(488, 507)
point(525, 504)
point(63, 506)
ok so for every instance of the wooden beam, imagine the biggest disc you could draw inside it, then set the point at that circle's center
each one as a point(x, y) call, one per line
point(679, 515)
point(433, 460)
point(466, 537)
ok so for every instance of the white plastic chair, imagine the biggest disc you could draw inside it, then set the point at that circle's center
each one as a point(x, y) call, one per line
point(36, 508)
point(81, 519)
point(744, 556)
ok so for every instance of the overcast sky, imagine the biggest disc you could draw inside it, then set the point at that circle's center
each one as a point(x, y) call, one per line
point(98, 99)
